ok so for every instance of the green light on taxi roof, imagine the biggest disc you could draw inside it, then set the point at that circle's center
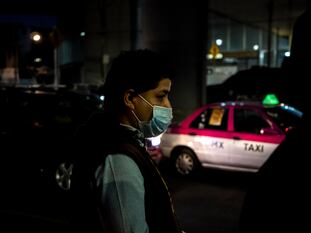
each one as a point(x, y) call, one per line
point(270, 99)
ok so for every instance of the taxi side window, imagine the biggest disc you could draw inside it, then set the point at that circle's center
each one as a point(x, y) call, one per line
point(212, 118)
point(249, 121)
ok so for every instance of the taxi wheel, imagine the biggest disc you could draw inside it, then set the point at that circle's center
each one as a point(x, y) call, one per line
point(185, 161)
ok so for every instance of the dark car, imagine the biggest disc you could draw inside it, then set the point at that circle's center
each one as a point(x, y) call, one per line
point(255, 83)
point(37, 126)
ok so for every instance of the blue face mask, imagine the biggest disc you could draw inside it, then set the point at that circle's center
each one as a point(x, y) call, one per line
point(161, 119)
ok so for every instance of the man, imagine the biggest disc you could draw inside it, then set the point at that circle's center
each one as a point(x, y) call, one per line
point(130, 194)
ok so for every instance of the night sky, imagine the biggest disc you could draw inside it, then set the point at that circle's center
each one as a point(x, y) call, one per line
point(30, 20)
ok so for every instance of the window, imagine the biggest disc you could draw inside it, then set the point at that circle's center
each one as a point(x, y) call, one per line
point(285, 117)
point(212, 118)
point(249, 121)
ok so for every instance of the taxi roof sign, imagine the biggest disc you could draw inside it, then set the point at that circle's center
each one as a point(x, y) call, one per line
point(270, 99)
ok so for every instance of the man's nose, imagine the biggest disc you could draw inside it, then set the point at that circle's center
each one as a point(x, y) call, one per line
point(167, 103)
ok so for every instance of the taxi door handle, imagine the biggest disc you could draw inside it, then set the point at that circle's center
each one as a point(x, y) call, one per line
point(236, 138)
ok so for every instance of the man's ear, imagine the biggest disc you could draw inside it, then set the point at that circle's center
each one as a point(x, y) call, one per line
point(129, 99)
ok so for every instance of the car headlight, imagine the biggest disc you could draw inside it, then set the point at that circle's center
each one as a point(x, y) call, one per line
point(155, 141)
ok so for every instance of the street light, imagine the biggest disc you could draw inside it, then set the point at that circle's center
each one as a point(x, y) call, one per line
point(41, 52)
point(55, 39)
point(36, 37)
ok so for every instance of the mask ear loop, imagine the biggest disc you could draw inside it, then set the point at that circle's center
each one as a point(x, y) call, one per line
point(145, 100)
point(136, 116)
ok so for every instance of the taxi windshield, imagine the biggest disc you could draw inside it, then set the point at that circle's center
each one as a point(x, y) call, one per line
point(284, 116)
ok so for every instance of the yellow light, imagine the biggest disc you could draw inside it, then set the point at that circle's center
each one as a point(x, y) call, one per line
point(35, 36)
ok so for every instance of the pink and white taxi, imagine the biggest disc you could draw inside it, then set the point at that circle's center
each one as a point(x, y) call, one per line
point(229, 135)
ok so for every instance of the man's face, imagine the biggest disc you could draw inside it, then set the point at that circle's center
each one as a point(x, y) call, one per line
point(157, 96)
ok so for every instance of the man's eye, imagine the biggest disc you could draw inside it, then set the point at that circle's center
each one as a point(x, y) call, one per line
point(160, 97)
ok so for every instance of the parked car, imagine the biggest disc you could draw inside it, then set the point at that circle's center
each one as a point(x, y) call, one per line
point(36, 158)
point(254, 84)
point(228, 135)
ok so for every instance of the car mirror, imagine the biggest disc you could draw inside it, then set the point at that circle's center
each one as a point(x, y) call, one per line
point(268, 131)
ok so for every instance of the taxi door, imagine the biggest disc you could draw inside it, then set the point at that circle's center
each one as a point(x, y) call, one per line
point(210, 136)
point(254, 138)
